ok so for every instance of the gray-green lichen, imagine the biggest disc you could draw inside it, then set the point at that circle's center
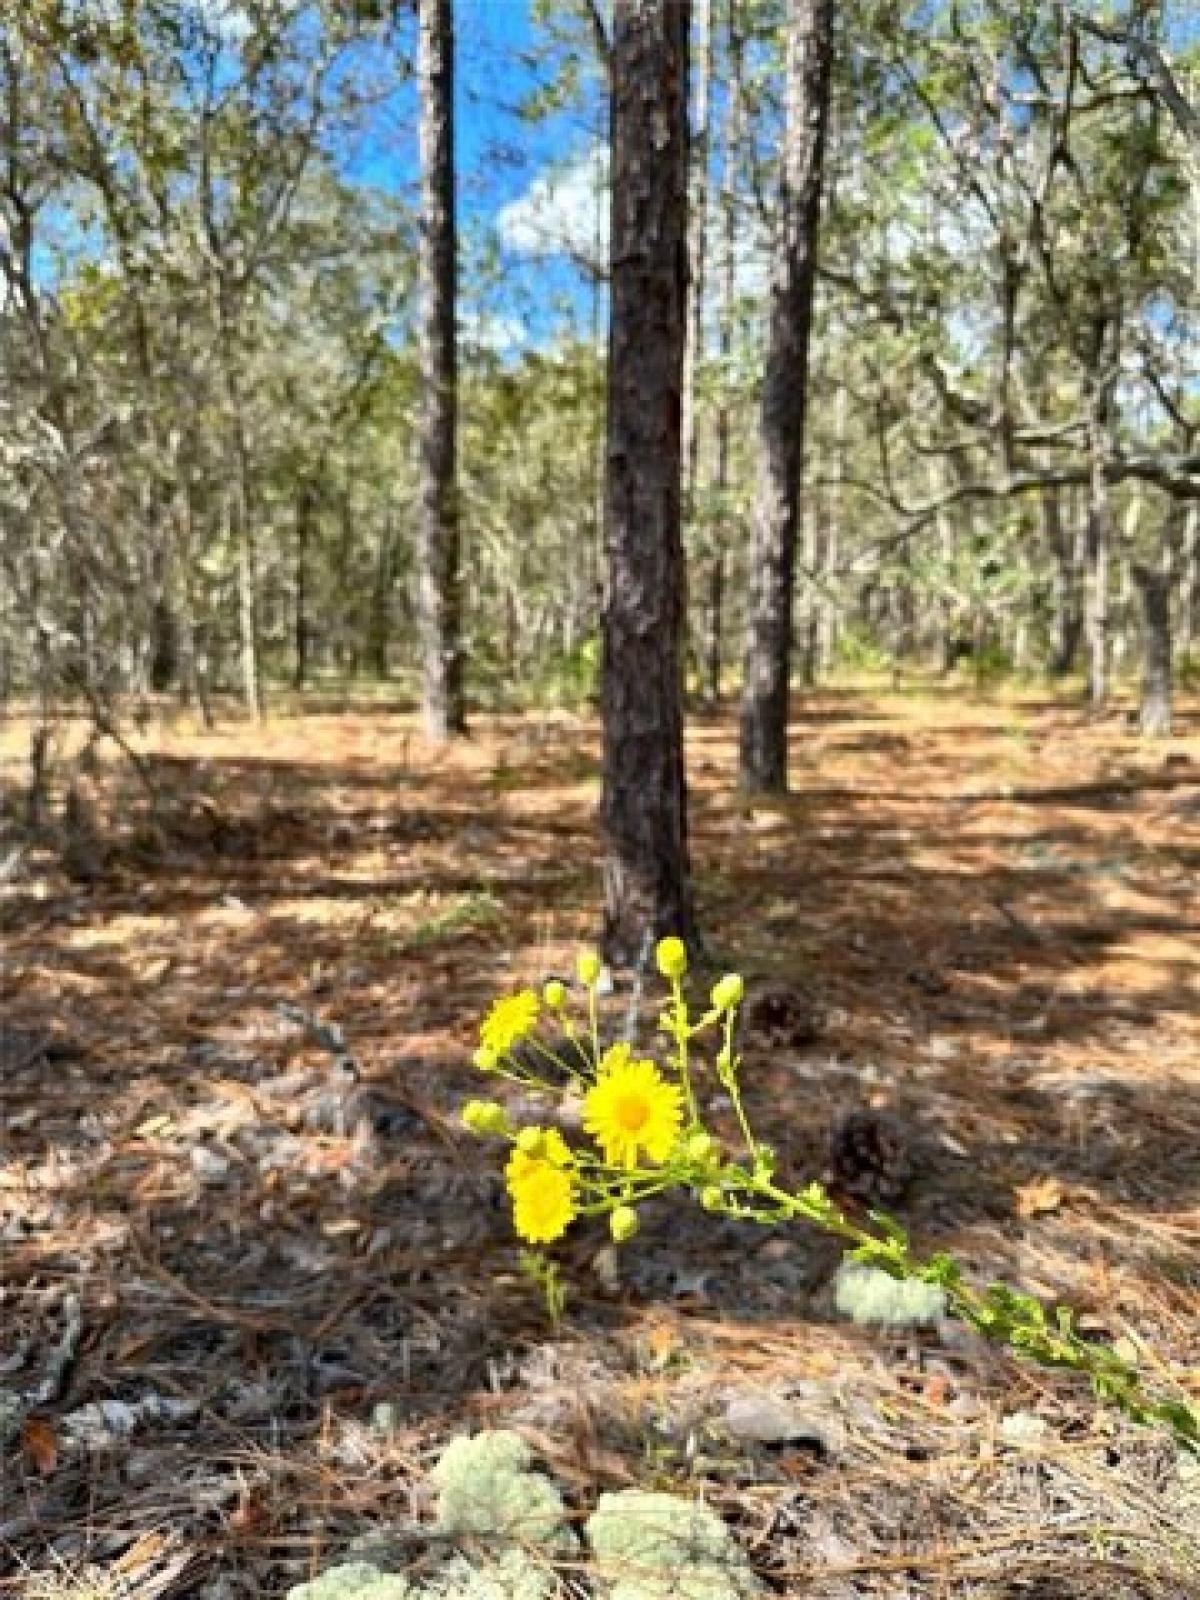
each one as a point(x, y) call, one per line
point(875, 1300)
point(514, 1575)
point(660, 1547)
point(487, 1490)
point(355, 1580)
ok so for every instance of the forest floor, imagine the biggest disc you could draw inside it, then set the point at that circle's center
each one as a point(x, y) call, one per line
point(989, 907)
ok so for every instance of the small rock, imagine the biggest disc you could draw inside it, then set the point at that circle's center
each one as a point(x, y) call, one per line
point(209, 1166)
point(1023, 1430)
point(760, 1417)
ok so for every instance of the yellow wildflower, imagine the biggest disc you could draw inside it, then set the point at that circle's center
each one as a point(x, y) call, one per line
point(543, 1197)
point(512, 1018)
point(632, 1108)
point(536, 1145)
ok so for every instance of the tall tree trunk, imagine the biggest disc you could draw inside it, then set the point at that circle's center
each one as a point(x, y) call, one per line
point(718, 565)
point(697, 251)
point(1099, 550)
point(1155, 710)
point(1105, 354)
point(764, 713)
point(836, 510)
point(381, 599)
point(1068, 612)
point(301, 628)
point(1189, 578)
point(439, 601)
point(714, 630)
point(644, 804)
point(247, 595)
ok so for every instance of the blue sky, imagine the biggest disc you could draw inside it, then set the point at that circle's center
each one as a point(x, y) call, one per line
point(506, 162)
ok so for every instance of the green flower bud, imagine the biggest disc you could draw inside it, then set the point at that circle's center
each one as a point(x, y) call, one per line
point(485, 1117)
point(701, 1147)
point(486, 1059)
point(530, 1141)
point(555, 995)
point(623, 1223)
point(711, 1197)
point(728, 992)
point(671, 956)
point(587, 968)
point(764, 1160)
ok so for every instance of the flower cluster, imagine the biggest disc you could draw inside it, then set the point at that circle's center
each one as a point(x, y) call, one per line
point(645, 1135)
point(640, 1116)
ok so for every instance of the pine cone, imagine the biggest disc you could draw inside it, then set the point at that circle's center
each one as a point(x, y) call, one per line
point(783, 1017)
point(870, 1156)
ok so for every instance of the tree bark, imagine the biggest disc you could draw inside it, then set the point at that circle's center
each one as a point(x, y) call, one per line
point(697, 251)
point(764, 712)
point(1099, 548)
point(644, 804)
point(301, 627)
point(1068, 613)
point(381, 600)
point(714, 630)
point(1155, 710)
point(1189, 578)
point(438, 584)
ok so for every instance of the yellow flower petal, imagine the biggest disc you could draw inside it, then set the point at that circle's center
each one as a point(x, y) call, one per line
point(537, 1147)
point(512, 1018)
point(543, 1197)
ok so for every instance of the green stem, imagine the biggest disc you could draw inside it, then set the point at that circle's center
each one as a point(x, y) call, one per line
point(679, 1027)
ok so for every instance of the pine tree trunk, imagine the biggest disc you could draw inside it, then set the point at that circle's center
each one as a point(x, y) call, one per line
point(381, 600)
point(644, 804)
point(714, 631)
point(438, 575)
point(1189, 579)
point(764, 712)
point(1068, 613)
point(1099, 548)
point(1155, 709)
point(247, 598)
point(301, 630)
point(827, 642)
point(697, 251)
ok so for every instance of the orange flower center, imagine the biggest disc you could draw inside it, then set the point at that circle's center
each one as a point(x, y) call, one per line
point(631, 1113)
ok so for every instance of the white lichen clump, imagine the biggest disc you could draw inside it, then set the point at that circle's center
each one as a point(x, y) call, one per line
point(875, 1300)
point(488, 1491)
point(511, 1576)
point(355, 1580)
point(646, 1546)
point(661, 1547)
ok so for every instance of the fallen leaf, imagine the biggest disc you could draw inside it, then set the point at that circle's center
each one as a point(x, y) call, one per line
point(41, 1445)
point(1039, 1197)
point(663, 1342)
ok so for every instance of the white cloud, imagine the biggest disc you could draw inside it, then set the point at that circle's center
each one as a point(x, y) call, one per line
point(563, 212)
point(228, 20)
point(494, 332)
